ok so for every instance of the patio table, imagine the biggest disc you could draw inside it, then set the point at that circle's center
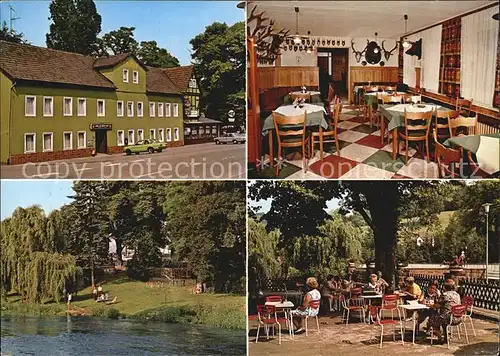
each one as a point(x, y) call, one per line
point(315, 116)
point(414, 308)
point(395, 115)
point(371, 297)
point(485, 148)
point(285, 306)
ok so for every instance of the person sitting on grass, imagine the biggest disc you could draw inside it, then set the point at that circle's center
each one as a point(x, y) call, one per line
point(313, 295)
point(439, 320)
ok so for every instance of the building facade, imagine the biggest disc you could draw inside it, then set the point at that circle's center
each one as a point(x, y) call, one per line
point(59, 105)
point(197, 128)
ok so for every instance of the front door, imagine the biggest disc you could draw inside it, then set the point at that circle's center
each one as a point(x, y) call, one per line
point(101, 141)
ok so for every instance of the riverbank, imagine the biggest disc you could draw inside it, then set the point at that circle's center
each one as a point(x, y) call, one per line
point(135, 300)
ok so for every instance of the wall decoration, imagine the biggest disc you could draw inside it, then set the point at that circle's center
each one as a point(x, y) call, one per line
point(449, 77)
point(357, 54)
point(388, 54)
point(382, 63)
point(363, 63)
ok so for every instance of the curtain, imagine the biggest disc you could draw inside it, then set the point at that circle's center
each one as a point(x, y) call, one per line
point(431, 58)
point(479, 54)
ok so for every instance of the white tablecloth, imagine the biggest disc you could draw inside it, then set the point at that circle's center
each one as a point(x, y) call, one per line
point(487, 155)
point(286, 304)
point(307, 92)
point(290, 110)
point(411, 108)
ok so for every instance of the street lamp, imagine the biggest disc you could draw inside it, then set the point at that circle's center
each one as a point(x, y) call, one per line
point(486, 210)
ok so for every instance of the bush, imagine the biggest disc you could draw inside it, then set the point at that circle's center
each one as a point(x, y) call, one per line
point(136, 270)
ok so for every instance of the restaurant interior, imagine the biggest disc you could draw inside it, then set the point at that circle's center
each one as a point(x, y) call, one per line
point(373, 89)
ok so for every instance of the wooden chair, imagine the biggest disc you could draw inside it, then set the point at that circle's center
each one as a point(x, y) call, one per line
point(464, 107)
point(475, 170)
point(466, 122)
point(447, 159)
point(332, 133)
point(291, 132)
point(305, 96)
point(415, 131)
point(442, 123)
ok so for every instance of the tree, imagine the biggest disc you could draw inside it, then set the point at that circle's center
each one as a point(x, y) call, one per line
point(298, 207)
point(219, 59)
point(206, 224)
point(118, 42)
point(11, 35)
point(152, 55)
point(30, 263)
point(75, 26)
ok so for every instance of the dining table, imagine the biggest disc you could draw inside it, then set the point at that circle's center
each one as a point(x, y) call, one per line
point(414, 308)
point(315, 116)
point(485, 148)
point(371, 99)
point(285, 306)
point(395, 117)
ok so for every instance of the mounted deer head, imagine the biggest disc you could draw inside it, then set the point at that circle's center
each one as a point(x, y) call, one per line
point(387, 54)
point(358, 54)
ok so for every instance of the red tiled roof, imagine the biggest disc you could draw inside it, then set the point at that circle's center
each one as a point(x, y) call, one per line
point(26, 62)
point(158, 82)
point(110, 61)
point(180, 76)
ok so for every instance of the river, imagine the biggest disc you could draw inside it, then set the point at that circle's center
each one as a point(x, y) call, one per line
point(77, 336)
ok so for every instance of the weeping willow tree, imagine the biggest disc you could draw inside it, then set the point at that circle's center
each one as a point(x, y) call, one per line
point(339, 240)
point(31, 265)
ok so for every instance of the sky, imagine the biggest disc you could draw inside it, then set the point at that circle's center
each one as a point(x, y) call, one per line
point(170, 23)
point(263, 206)
point(49, 194)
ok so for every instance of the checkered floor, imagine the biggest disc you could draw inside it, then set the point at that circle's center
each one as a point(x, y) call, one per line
point(361, 156)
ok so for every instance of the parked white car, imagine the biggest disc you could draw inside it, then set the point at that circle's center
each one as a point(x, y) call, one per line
point(230, 137)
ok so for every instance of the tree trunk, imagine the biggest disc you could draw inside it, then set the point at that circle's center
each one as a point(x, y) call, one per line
point(119, 249)
point(92, 271)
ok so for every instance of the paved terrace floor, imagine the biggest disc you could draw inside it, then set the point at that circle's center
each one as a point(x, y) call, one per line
point(354, 340)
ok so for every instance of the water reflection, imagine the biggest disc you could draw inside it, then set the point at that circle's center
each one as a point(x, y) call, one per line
point(84, 336)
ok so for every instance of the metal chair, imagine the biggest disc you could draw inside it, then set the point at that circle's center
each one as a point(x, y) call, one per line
point(468, 301)
point(265, 316)
point(347, 308)
point(375, 317)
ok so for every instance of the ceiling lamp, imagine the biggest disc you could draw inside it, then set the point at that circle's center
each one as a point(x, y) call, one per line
point(297, 39)
point(406, 43)
point(376, 49)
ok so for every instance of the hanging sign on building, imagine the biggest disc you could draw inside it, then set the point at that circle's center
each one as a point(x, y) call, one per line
point(101, 126)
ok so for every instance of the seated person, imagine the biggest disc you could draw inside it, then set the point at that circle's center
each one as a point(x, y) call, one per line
point(373, 284)
point(382, 281)
point(430, 297)
point(305, 310)
point(330, 289)
point(412, 290)
point(441, 318)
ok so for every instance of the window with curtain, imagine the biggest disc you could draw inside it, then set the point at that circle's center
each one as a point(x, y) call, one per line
point(478, 56)
point(431, 57)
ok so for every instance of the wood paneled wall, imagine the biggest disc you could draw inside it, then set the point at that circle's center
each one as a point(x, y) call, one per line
point(275, 77)
point(371, 74)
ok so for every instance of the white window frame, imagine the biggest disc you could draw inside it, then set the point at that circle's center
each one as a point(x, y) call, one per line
point(141, 114)
point(154, 134)
point(132, 114)
point(103, 107)
point(84, 139)
point(123, 109)
point(34, 142)
point(26, 105)
point(118, 138)
point(169, 134)
point(70, 106)
point(161, 135)
point(160, 110)
point(51, 106)
point(140, 135)
point(192, 83)
point(134, 73)
point(152, 109)
point(51, 142)
point(125, 75)
point(168, 110)
point(84, 107)
point(176, 134)
point(131, 142)
point(176, 110)
point(71, 135)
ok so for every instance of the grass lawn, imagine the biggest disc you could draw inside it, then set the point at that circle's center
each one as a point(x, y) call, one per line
point(136, 300)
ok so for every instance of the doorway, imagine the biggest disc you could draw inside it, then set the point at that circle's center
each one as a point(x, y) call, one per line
point(101, 141)
point(333, 64)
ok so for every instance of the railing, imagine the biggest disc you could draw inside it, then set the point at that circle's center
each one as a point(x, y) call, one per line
point(486, 293)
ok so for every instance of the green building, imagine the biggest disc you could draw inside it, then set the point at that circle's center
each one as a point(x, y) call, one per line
point(59, 105)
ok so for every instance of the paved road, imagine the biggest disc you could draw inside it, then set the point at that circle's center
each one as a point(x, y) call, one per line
point(202, 161)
